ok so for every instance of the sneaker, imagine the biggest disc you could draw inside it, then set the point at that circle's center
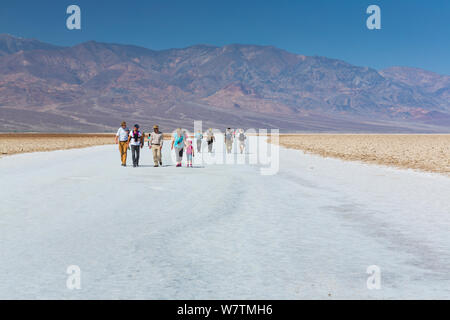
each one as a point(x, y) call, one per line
point(155, 166)
point(160, 163)
point(178, 165)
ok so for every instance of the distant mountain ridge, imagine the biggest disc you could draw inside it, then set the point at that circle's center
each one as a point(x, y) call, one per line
point(93, 86)
point(10, 44)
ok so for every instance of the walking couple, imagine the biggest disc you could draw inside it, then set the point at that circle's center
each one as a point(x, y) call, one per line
point(209, 139)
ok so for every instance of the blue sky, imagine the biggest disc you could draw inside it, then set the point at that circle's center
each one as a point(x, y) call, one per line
point(414, 32)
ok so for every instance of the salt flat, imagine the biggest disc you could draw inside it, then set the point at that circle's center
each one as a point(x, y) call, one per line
point(219, 231)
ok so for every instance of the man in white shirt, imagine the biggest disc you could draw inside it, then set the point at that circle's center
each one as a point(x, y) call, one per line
point(122, 140)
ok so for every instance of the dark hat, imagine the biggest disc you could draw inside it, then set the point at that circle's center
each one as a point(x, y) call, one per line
point(136, 126)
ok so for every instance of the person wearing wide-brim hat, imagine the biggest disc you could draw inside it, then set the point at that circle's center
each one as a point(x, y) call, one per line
point(122, 140)
point(156, 141)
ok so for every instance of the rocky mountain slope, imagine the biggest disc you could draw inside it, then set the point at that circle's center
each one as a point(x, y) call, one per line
point(93, 86)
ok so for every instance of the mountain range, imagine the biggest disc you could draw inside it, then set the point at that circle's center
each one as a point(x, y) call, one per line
point(92, 87)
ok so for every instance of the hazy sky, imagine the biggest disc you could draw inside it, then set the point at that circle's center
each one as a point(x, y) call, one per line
point(414, 32)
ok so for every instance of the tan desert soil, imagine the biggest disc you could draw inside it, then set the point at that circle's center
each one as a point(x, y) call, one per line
point(12, 143)
point(422, 152)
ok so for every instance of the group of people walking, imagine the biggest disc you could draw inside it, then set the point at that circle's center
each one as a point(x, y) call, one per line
point(210, 139)
point(134, 140)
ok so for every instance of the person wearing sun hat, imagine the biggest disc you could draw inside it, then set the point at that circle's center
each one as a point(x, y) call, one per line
point(156, 140)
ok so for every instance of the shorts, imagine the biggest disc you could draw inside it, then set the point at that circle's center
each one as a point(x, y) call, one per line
point(179, 154)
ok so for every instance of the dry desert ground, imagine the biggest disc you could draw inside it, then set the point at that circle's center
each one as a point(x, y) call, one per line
point(12, 143)
point(414, 151)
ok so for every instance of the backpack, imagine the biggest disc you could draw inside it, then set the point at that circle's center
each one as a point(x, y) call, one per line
point(135, 136)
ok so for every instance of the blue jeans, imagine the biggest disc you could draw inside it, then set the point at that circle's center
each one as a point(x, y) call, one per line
point(135, 152)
